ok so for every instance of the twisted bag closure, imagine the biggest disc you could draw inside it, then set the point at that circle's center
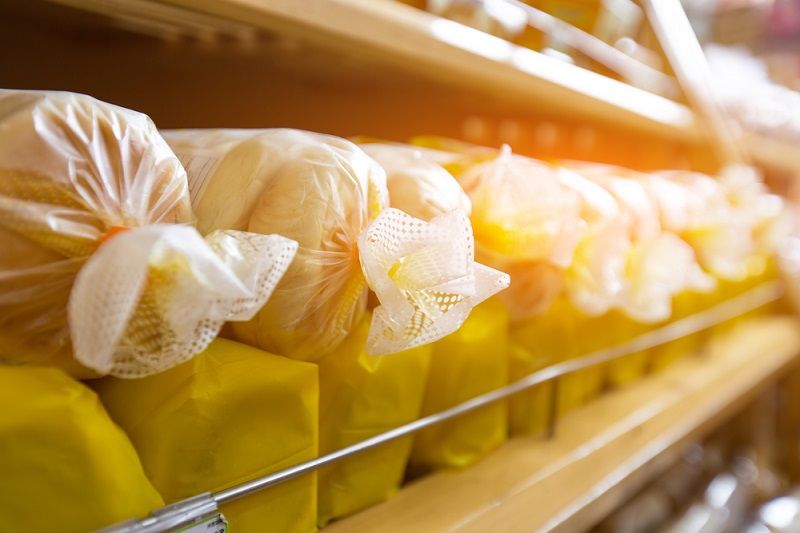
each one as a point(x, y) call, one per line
point(428, 281)
point(425, 277)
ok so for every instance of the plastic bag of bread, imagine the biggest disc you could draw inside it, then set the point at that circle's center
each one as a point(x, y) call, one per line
point(527, 222)
point(329, 196)
point(658, 267)
point(523, 217)
point(698, 208)
point(229, 415)
point(361, 396)
point(593, 284)
point(417, 182)
point(420, 186)
point(771, 224)
point(102, 271)
point(65, 465)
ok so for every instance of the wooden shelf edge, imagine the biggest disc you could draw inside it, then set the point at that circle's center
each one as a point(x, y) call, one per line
point(774, 153)
point(602, 453)
point(401, 36)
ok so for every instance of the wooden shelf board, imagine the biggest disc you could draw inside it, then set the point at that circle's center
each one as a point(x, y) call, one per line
point(602, 453)
point(371, 39)
point(774, 153)
point(385, 33)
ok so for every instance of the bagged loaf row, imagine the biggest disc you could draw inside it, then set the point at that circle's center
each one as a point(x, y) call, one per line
point(595, 254)
point(109, 275)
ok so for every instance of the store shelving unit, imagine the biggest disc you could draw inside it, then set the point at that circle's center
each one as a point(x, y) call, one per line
point(601, 453)
point(604, 452)
point(390, 33)
point(384, 33)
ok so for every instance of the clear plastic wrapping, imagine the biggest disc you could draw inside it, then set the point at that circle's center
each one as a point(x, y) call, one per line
point(332, 198)
point(101, 262)
point(595, 278)
point(526, 222)
point(417, 182)
point(658, 263)
point(696, 207)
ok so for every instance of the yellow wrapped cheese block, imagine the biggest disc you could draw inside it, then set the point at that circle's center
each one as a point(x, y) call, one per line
point(93, 202)
point(469, 362)
point(684, 305)
point(360, 396)
point(541, 341)
point(65, 466)
point(529, 412)
point(231, 414)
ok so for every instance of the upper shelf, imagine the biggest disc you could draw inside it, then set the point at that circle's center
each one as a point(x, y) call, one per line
point(381, 34)
point(389, 33)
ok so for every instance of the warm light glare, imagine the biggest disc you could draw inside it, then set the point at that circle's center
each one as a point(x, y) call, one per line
point(511, 16)
point(780, 512)
point(720, 490)
point(593, 85)
point(472, 40)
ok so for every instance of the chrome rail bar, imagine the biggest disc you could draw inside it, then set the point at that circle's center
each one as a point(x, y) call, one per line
point(187, 511)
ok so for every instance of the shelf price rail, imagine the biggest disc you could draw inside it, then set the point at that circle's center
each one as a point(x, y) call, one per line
point(192, 510)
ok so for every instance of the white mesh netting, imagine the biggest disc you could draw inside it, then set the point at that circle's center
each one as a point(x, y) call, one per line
point(100, 270)
point(154, 296)
point(424, 276)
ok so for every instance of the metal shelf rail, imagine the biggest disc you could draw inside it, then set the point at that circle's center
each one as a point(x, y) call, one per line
point(192, 510)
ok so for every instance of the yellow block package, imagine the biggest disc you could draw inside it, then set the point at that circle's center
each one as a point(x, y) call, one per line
point(469, 362)
point(684, 305)
point(421, 187)
point(94, 204)
point(361, 396)
point(546, 339)
point(229, 415)
point(329, 196)
point(65, 466)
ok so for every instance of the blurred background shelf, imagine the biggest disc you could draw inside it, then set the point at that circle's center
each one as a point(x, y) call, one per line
point(348, 67)
point(396, 34)
point(602, 453)
point(366, 41)
point(774, 153)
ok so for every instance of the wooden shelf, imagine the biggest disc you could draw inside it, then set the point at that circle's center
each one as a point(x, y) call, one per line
point(383, 44)
point(602, 453)
point(384, 33)
point(774, 153)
